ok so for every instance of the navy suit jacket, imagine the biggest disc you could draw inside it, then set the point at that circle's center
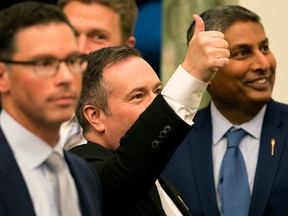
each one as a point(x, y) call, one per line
point(191, 167)
point(14, 195)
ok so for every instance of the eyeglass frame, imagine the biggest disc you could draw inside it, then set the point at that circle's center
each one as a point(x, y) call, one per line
point(37, 63)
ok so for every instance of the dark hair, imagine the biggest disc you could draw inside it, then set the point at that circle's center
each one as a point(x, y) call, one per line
point(95, 91)
point(127, 10)
point(24, 15)
point(222, 17)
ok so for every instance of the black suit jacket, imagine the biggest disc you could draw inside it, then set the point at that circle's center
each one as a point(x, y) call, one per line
point(128, 174)
point(15, 198)
point(191, 167)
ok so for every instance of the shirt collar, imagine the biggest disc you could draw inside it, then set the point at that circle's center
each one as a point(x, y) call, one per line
point(220, 124)
point(32, 150)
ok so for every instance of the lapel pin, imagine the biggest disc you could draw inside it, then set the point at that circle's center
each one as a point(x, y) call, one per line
point(273, 142)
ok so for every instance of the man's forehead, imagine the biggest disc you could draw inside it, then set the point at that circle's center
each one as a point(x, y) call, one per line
point(51, 37)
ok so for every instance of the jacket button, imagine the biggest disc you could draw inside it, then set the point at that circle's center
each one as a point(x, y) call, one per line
point(167, 128)
point(154, 144)
point(162, 134)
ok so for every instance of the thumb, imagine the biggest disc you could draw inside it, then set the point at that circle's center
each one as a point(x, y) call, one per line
point(199, 25)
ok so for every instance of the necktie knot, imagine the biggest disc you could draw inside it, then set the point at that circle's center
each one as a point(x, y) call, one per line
point(234, 137)
point(55, 162)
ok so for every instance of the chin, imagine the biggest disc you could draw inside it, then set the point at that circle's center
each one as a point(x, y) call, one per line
point(262, 100)
point(64, 116)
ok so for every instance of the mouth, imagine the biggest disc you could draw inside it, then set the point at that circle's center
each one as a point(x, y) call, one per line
point(259, 84)
point(64, 101)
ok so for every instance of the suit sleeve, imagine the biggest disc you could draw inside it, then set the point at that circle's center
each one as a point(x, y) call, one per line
point(143, 153)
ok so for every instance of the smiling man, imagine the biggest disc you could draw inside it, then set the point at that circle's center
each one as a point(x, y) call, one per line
point(241, 98)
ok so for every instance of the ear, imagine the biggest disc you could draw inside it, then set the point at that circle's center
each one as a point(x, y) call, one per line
point(95, 117)
point(131, 42)
point(4, 82)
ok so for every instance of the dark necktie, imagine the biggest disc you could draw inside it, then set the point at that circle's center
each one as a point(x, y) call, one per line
point(233, 179)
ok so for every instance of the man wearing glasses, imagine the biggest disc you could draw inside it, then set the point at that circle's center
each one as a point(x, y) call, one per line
point(40, 83)
point(49, 66)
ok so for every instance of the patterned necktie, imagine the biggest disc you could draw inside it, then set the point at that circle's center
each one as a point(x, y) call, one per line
point(233, 179)
point(64, 190)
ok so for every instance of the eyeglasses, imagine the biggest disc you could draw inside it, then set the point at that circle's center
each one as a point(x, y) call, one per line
point(49, 67)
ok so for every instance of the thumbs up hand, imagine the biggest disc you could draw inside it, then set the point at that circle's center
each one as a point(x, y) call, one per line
point(207, 52)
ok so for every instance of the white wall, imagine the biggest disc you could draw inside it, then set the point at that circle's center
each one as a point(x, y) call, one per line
point(274, 15)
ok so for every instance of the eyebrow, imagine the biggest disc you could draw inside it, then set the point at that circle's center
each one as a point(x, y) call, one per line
point(97, 31)
point(49, 56)
point(265, 41)
point(157, 85)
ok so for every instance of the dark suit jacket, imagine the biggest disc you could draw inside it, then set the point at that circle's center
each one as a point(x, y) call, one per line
point(191, 168)
point(14, 195)
point(128, 174)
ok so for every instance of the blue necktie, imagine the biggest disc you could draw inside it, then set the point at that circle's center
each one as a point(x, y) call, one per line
point(233, 180)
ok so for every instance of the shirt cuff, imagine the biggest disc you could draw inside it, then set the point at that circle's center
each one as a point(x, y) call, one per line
point(184, 93)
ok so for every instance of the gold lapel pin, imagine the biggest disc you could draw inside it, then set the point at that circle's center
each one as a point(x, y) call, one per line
point(273, 142)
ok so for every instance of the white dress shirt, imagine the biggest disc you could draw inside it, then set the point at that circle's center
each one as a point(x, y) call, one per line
point(184, 93)
point(30, 153)
point(249, 146)
point(168, 205)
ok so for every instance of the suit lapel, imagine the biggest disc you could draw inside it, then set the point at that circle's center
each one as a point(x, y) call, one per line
point(83, 194)
point(174, 196)
point(201, 151)
point(267, 164)
point(155, 204)
point(13, 191)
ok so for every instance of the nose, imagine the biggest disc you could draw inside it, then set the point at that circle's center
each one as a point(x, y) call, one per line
point(64, 74)
point(260, 62)
point(82, 44)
